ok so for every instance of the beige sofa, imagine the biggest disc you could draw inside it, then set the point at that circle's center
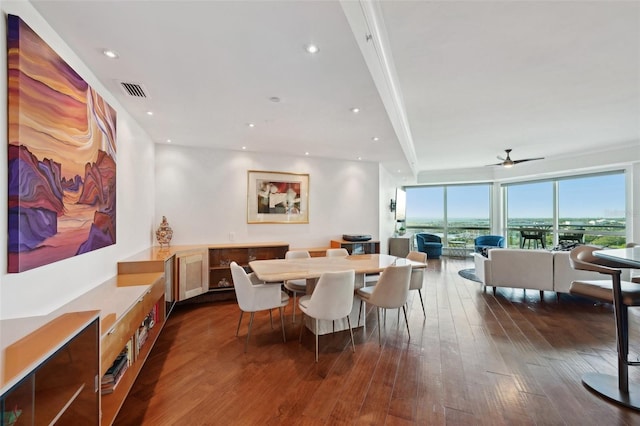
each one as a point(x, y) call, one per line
point(530, 269)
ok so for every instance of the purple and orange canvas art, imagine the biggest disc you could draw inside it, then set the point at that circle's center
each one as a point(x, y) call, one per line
point(62, 157)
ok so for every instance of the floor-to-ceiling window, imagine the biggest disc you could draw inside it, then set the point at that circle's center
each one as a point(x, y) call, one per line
point(457, 213)
point(529, 214)
point(582, 209)
point(425, 208)
point(591, 210)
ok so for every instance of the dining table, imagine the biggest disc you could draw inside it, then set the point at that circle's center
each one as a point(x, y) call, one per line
point(618, 389)
point(310, 269)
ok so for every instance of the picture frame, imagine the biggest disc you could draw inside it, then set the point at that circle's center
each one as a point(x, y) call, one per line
point(277, 197)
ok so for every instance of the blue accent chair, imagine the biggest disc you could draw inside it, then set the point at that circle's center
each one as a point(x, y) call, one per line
point(487, 242)
point(430, 244)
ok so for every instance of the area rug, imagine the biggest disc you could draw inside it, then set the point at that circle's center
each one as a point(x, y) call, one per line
point(469, 274)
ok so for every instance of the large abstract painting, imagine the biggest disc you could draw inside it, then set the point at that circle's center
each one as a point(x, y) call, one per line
point(62, 157)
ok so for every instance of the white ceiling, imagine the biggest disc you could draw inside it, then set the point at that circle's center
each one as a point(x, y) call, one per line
point(443, 84)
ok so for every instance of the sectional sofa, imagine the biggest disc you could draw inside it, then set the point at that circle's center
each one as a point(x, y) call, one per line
point(541, 270)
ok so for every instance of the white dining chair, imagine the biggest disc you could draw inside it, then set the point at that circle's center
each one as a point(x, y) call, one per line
point(390, 292)
point(296, 286)
point(337, 252)
point(417, 275)
point(254, 295)
point(332, 299)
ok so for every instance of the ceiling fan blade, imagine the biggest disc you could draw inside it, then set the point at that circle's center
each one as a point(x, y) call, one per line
point(508, 162)
point(527, 159)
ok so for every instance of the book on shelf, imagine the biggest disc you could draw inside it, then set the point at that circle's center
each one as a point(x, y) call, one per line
point(143, 332)
point(129, 349)
point(147, 324)
point(109, 387)
point(114, 373)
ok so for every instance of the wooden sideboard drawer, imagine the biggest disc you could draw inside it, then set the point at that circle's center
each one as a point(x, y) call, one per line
point(155, 293)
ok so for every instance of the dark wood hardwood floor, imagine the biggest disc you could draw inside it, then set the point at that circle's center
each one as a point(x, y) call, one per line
point(476, 359)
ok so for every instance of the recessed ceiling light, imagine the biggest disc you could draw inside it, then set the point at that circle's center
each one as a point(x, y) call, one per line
point(274, 99)
point(375, 139)
point(168, 140)
point(359, 158)
point(110, 54)
point(306, 153)
point(312, 48)
point(149, 112)
point(399, 171)
point(251, 125)
point(244, 147)
point(355, 110)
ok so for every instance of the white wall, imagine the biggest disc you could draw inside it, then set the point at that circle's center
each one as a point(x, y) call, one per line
point(46, 288)
point(387, 189)
point(203, 194)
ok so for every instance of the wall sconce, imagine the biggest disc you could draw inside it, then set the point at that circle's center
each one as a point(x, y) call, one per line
point(392, 205)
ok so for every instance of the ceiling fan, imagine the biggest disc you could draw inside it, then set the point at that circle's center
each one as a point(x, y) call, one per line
point(508, 162)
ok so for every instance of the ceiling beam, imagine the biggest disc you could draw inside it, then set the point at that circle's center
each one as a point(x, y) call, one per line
point(367, 25)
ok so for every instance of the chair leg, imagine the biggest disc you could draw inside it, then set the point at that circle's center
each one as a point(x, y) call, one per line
point(360, 311)
point(294, 306)
point(379, 333)
point(422, 303)
point(248, 332)
point(271, 318)
point(353, 345)
point(301, 326)
point(406, 321)
point(316, 339)
point(239, 321)
point(622, 330)
point(623, 379)
point(284, 338)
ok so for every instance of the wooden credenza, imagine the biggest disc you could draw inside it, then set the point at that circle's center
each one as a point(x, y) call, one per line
point(221, 256)
point(197, 269)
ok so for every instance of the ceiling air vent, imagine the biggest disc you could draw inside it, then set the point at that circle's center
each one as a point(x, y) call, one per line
point(133, 89)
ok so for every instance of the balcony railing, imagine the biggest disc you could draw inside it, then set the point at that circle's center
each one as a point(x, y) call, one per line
point(601, 235)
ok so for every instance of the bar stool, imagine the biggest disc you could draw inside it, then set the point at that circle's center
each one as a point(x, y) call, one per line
point(621, 294)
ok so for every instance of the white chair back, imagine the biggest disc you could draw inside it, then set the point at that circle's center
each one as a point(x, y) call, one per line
point(392, 288)
point(337, 252)
point(297, 254)
point(333, 296)
point(417, 256)
point(417, 274)
point(246, 293)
